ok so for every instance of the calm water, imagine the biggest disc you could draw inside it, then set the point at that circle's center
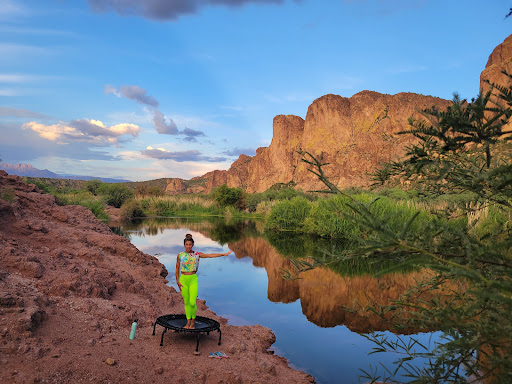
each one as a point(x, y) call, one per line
point(313, 331)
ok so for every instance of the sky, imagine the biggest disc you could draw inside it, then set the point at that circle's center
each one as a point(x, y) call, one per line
point(145, 89)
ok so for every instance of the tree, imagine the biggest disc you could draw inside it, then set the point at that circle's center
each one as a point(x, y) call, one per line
point(465, 149)
point(115, 194)
point(93, 185)
point(225, 196)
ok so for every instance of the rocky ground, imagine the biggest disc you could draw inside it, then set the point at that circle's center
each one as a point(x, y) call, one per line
point(69, 291)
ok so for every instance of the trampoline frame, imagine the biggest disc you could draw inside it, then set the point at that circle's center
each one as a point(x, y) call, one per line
point(163, 321)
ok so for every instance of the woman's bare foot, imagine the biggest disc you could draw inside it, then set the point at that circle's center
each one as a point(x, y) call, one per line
point(188, 324)
point(192, 324)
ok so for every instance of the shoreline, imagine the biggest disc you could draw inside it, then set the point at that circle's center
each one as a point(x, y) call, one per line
point(70, 289)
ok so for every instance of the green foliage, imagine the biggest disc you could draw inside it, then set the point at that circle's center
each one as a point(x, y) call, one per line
point(83, 198)
point(277, 192)
point(93, 186)
point(115, 194)
point(148, 190)
point(225, 196)
point(132, 209)
point(329, 218)
point(288, 215)
point(463, 150)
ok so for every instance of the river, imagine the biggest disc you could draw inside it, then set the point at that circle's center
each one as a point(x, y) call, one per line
point(313, 329)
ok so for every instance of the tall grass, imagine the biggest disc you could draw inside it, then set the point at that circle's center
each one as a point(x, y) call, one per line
point(84, 198)
point(332, 217)
point(180, 205)
point(288, 215)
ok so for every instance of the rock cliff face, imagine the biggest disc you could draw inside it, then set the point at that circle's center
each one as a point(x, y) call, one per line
point(499, 60)
point(353, 134)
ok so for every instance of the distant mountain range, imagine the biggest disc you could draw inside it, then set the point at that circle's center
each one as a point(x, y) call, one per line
point(28, 170)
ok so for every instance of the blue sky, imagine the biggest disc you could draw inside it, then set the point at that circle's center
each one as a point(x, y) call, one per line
point(143, 89)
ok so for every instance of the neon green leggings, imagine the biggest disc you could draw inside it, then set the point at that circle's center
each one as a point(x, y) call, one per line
point(189, 292)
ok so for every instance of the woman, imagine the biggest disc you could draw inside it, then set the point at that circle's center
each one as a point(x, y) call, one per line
point(188, 262)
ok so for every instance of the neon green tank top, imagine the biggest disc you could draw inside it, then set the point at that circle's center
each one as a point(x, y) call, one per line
point(189, 262)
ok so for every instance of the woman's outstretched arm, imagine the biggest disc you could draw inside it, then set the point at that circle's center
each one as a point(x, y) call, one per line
point(207, 255)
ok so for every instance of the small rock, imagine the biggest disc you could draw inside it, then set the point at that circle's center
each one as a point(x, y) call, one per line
point(110, 361)
point(91, 342)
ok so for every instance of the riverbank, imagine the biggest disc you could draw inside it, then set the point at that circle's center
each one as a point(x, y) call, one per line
point(70, 290)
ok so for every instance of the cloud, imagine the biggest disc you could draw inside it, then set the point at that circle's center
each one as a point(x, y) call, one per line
point(166, 9)
point(22, 145)
point(239, 151)
point(191, 134)
point(93, 132)
point(163, 125)
point(19, 112)
point(192, 155)
point(133, 92)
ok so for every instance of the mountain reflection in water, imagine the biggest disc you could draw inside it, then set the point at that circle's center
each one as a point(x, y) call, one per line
point(309, 316)
point(323, 293)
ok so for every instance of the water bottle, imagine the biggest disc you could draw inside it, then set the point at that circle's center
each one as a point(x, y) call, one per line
point(134, 327)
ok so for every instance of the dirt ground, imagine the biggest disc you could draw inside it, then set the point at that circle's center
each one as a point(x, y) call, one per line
point(70, 290)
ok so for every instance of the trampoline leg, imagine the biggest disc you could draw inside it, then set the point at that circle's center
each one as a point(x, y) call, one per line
point(162, 339)
point(220, 334)
point(197, 345)
point(154, 326)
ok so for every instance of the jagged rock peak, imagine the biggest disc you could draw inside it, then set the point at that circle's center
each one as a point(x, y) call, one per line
point(499, 60)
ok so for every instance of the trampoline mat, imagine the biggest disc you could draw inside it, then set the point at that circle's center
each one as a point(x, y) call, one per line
point(177, 322)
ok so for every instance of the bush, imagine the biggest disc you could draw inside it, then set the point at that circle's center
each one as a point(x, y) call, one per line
point(132, 209)
point(332, 218)
point(115, 194)
point(93, 186)
point(225, 196)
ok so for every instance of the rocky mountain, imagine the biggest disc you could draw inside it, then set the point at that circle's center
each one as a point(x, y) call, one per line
point(353, 135)
point(499, 60)
point(28, 170)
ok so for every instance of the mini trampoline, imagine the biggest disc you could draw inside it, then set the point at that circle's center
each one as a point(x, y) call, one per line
point(177, 322)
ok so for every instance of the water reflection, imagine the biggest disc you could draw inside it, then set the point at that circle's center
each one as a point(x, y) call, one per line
point(324, 293)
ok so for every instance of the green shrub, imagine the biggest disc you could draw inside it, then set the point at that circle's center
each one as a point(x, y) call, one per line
point(332, 218)
point(252, 201)
point(93, 186)
point(225, 196)
point(132, 209)
point(288, 215)
point(85, 199)
point(115, 194)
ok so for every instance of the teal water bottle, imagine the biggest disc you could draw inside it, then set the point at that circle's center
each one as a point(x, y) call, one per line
point(134, 327)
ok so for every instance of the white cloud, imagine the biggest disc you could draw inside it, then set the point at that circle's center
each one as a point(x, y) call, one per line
point(91, 131)
point(180, 156)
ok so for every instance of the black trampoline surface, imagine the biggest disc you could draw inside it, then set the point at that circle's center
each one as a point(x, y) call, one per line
point(176, 322)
